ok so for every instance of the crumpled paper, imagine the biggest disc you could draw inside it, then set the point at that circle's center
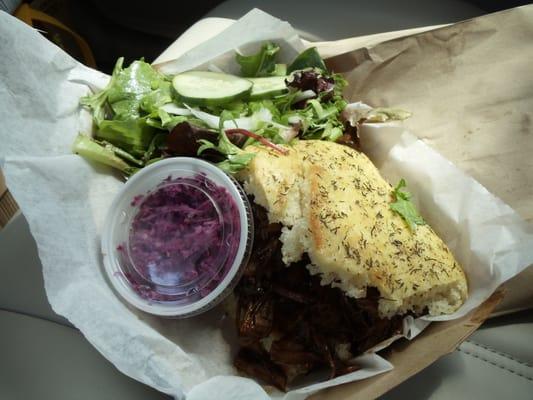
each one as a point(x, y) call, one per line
point(65, 200)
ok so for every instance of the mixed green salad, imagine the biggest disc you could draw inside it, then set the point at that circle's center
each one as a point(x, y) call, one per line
point(143, 116)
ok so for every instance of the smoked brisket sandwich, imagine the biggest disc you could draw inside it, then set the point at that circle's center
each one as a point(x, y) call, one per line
point(334, 268)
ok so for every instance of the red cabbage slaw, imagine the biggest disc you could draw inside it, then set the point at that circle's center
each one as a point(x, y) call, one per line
point(183, 240)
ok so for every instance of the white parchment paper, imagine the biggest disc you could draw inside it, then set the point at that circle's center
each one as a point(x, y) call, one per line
point(65, 200)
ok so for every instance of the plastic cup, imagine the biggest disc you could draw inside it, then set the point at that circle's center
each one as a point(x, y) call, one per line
point(177, 237)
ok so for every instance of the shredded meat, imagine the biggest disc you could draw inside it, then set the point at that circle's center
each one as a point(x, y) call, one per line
point(289, 324)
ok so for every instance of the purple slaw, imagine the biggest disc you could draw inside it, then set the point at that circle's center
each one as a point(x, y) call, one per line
point(183, 239)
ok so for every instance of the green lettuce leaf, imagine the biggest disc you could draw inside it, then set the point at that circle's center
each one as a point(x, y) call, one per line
point(123, 97)
point(131, 85)
point(97, 102)
point(161, 119)
point(280, 70)
point(236, 158)
point(235, 108)
point(157, 144)
point(308, 58)
point(153, 100)
point(105, 154)
point(235, 162)
point(403, 206)
point(120, 110)
point(132, 135)
point(262, 63)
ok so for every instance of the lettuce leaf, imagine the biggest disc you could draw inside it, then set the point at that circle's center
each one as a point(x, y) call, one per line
point(119, 110)
point(308, 58)
point(236, 158)
point(121, 99)
point(131, 85)
point(97, 102)
point(155, 99)
point(132, 135)
point(105, 154)
point(262, 63)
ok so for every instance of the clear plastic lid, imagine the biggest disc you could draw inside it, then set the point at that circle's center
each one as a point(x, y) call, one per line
point(177, 237)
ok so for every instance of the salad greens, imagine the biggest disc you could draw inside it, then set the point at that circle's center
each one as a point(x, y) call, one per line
point(236, 158)
point(403, 206)
point(121, 110)
point(142, 116)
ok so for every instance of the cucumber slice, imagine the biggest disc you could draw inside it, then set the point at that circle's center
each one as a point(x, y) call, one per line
point(210, 88)
point(268, 87)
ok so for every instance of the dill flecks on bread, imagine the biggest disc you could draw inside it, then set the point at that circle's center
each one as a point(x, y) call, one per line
point(334, 207)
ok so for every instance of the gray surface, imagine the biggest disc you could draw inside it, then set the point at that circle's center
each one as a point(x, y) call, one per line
point(45, 360)
point(340, 19)
point(22, 286)
point(9, 6)
point(505, 352)
point(462, 375)
point(511, 334)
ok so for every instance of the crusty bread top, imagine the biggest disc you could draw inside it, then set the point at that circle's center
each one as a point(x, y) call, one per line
point(335, 206)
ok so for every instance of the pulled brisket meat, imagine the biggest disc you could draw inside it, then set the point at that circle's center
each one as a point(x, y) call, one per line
point(289, 324)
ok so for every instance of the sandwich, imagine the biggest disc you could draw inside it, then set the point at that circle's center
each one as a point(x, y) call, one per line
point(334, 268)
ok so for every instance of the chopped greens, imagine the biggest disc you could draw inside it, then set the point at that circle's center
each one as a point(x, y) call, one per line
point(403, 206)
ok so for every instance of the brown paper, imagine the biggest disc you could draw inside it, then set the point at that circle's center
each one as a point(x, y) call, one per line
point(470, 89)
point(410, 357)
